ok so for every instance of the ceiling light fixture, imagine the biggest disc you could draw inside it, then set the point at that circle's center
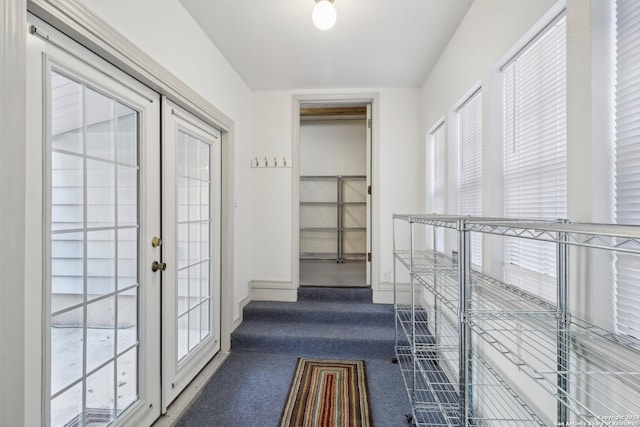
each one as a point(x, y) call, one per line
point(324, 14)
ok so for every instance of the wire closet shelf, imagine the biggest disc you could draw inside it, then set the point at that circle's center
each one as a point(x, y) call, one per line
point(473, 349)
point(333, 213)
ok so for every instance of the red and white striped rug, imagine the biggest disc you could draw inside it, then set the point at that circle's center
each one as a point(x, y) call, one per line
point(328, 393)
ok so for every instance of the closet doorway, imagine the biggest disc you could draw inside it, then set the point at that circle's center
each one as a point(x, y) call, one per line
point(334, 183)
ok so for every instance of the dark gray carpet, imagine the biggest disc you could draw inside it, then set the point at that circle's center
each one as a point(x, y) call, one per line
point(333, 274)
point(251, 386)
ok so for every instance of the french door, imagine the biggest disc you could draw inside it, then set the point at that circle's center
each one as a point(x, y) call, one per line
point(112, 282)
point(100, 202)
point(191, 170)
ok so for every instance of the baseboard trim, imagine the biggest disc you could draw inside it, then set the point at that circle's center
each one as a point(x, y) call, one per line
point(271, 290)
point(240, 317)
point(383, 294)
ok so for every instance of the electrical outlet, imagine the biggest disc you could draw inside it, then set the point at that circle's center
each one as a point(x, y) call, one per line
point(386, 276)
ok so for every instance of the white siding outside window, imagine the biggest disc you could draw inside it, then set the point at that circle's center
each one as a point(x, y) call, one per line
point(627, 160)
point(470, 166)
point(535, 158)
point(437, 179)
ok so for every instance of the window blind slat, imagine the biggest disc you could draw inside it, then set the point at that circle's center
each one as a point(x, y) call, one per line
point(470, 166)
point(627, 160)
point(535, 153)
point(438, 177)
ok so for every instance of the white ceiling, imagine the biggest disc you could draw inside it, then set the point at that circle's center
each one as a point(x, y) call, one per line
point(273, 44)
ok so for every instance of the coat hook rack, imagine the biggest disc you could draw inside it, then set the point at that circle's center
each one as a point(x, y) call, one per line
point(266, 163)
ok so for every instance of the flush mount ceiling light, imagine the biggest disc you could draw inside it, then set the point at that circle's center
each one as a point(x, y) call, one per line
point(324, 14)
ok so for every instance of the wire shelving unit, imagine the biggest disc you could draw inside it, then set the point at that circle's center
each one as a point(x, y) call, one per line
point(466, 340)
point(336, 209)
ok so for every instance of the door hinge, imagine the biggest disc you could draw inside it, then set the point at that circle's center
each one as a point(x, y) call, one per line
point(369, 123)
point(369, 256)
point(369, 190)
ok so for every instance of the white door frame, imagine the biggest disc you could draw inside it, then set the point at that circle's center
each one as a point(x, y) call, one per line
point(372, 162)
point(13, 212)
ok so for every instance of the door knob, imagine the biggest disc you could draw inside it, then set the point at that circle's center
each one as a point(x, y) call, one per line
point(155, 266)
point(156, 241)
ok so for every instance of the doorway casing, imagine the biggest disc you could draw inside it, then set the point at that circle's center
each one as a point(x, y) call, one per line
point(333, 100)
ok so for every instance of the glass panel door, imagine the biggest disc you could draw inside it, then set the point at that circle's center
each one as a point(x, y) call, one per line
point(94, 254)
point(191, 210)
point(100, 187)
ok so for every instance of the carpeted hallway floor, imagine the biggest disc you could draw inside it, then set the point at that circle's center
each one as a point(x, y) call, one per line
point(251, 386)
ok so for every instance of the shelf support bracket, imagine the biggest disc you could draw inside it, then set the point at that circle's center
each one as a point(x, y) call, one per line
point(464, 329)
point(563, 332)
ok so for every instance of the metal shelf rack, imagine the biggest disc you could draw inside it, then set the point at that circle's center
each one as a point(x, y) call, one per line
point(475, 323)
point(335, 201)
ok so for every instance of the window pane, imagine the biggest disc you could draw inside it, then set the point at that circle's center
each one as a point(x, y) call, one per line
point(127, 135)
point(66, 120)
point(67, 349)
point(66, 409)
point(67, 270)
point(67, 192)
point(194, 327)
point(100, 125)
point(100, 396)
point(100, 332)
point(101, 263)
point(194, 285)
point(205, 289)
point(127, 196)
point(101, 194)
point(126, 378)
point(183, 291)
point(127, 319)
point(204, 320)
point(183, 336)
point(127, 257)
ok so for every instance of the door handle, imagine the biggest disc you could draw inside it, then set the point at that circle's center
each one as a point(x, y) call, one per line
point(155, 266)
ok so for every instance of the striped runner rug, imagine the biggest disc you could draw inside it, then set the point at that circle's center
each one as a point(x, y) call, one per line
point(328, 393)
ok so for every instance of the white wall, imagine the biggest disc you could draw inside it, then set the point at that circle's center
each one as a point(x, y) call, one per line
point(396, 176)
point(166, 32)
point(333, 147)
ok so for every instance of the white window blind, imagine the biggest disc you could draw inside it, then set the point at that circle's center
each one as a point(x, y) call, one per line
point(535, 172)
point(627, 160)
point(470, 166)
point(438, 193)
